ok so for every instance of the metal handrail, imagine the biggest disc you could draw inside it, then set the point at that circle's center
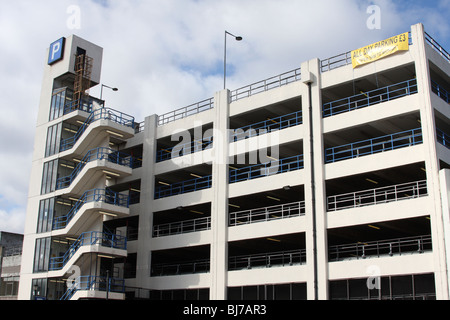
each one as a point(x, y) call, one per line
point(266, 85)
point(267, 260)
point(183, 187)
point(443, 138)
point(104, 239)
point(399, 246)
point(375, 196)
point(266, 126)
point(99, 114)
point(372, 146)
point(94, 195)
point(282, 211)
point(370, 98)
point(183, 149)
point(185, 112)
point(100, 153)
point(436, 46)
point(440, 91)
point(188, 267)
point(98, 283)
point(266, 169)
point(181, 227)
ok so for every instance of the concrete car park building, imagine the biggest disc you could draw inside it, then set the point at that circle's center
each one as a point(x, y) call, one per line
point(329, 181)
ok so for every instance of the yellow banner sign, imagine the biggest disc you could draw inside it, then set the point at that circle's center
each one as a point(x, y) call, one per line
point(380, 49)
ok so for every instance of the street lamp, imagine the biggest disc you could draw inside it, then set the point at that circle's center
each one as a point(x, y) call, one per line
point(237, 38)
point(101, 90)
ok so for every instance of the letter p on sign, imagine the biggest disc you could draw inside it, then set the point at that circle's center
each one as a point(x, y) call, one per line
point(56, 51)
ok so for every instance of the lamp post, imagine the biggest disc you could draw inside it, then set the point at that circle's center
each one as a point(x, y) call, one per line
point(237, 38)
point(101, 90)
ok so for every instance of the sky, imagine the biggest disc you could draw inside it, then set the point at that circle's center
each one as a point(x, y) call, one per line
point(167, 54)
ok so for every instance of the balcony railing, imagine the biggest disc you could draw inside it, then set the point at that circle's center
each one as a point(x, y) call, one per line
point(370, 98)
point(189, 267)
point(266, 169)
point(87, 239)
point(405, 191)
point(92, 155)
point(184, 149)
point(96, 283)
point(283, 211)
point(99, 114)
point(266, 85)
point(440, 91)
point(372, 146)
point(186, 111)
point(95, 195)
point(443, 138)
point(266, 126)
point(181, 227)
point(267, 260)
point(183, 187)
point(382, 248)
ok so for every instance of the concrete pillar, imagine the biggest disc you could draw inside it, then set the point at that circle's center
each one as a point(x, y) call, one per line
point(219, 205)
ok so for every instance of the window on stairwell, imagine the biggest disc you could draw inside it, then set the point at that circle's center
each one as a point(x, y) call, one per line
point(45, 217)
point(49, 177)
point(53, 140)
point(42, 255)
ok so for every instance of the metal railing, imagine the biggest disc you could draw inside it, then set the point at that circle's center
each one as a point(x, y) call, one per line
point(370, 98)
point(78, 105)
point(95, 195)
point(282, 211)
point(183, 187)
point(92, 155)
point(107, 240)
point(372, 146)
point(183, 149)
point(436, 46)
point(266, 169)
point(189, 267)
point(96, 283)
point(267, 260)
point(443, 138)
point(440, 91)
point(185, 112)
point(418, 244)
point(266, 126)
point(193, 225)
point(405, 191)
point(266, 85)
point(99, 114)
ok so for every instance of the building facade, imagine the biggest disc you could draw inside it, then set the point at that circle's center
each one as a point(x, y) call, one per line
point(10, 261)
point(325, 182)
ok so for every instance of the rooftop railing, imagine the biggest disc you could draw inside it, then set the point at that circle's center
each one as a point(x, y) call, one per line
point(266, 169)
point(183, 187)
point(409, 245)
point(267, 84)
point(181, 227)
point(267, 260)
point(96, 283)
point(283, 211)
point(92, 155)
point(436, 46)
point(95, 195)
point(99, 114)
point(370, 98)
point(376, 145)
point(185, 112)
point(87, 239)
point(405, 191)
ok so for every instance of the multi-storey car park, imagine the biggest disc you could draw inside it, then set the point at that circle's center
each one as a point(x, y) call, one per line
point(325, 182)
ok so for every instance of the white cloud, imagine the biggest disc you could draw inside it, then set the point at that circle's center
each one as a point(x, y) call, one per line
point(164, 55)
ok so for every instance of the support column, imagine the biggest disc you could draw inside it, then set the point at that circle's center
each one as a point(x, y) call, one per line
point(315, 195)
point(427, 118)
point(146, 203)
point(219, 204)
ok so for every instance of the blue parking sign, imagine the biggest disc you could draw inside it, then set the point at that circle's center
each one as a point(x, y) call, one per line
point(56, 51)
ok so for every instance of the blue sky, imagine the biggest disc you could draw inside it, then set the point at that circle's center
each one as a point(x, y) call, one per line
point(166, 54)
